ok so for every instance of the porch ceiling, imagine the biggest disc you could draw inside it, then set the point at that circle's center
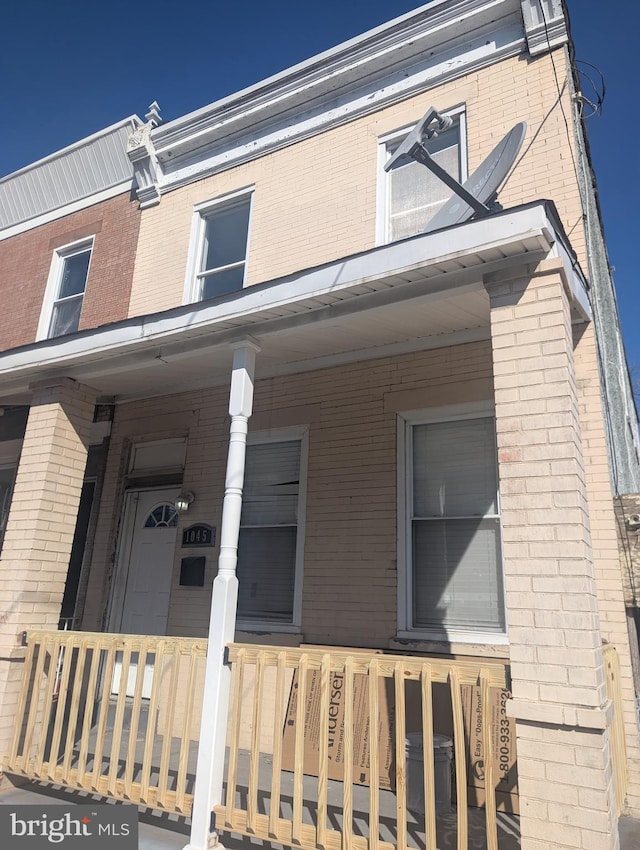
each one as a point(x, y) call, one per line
point(423, 292)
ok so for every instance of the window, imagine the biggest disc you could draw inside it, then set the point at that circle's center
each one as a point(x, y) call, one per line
point(454, 580)
point(221, 239)
point(412, 194)
point(163, 516)
point(65, 291)
point(271, 539)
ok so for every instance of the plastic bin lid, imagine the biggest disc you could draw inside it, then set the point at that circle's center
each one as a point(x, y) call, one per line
point(414, 740)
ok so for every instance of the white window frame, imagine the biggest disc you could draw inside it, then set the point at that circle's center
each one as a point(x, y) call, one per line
point(458, 113)
point(60, 255)
point(191, 293)
point(405, 423)
point(282, 435)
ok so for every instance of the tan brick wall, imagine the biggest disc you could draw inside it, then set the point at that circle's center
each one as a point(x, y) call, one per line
point(25, 261)
point(554, 590)
point(613, 620)
point(546, 533)
point(315, 201)
point(350, 542)
point(40, 528)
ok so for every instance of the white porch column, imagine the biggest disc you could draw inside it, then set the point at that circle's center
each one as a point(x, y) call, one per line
point(224, 601)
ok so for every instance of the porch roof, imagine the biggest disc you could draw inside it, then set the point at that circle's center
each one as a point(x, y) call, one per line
point(422, 292)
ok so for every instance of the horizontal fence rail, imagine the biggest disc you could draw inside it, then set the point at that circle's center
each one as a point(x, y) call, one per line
point(110, 714)
point(322, 748)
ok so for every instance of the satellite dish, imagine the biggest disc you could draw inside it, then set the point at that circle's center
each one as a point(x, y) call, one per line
point(483, 183)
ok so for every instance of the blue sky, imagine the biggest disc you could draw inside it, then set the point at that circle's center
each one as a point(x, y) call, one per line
point(69, 68)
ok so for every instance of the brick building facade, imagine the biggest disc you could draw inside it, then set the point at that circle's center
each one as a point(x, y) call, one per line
point(284, 284)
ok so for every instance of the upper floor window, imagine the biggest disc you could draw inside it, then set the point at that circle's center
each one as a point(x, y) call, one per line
point(411, 194)
point(220, 248)
point(65, 290)
point(451, 545)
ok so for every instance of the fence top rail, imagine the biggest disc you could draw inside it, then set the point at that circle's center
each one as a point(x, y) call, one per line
point(468, 672)
point(109, 640)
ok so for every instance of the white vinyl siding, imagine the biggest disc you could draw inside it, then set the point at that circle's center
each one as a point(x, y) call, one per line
point(453, 549)
point(269, 545)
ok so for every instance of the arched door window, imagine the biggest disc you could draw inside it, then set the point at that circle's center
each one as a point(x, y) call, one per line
point(162, 516)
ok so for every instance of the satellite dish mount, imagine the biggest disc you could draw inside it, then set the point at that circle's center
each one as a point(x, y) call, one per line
point(471, 198)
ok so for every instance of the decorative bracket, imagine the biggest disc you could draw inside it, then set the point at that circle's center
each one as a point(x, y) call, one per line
point(544, 24)
point(142, 154)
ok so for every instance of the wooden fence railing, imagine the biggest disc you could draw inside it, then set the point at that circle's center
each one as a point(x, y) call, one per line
point(112, 714)
point(119, 716)
point(308, 788)
point(618, 745)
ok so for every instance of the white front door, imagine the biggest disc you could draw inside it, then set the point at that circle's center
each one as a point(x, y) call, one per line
point(147, 568)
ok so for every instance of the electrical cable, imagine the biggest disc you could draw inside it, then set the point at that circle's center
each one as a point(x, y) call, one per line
point(621, 515)
point(599, 92)
point(559, 90)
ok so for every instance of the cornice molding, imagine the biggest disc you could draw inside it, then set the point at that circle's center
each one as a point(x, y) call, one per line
point(406, 37)
point(545, 25)
point(266, 139)
point(435, 43)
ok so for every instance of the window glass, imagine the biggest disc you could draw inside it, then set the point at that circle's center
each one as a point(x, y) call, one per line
point(67, 306)
point(455, 575)
point(7, 478)
point(222, 282)
point(74, 274)
point(455, 550)
point(164, 516)
point(269, 532)
point(226, 236)
point(266, 573)
point(415, 194)
point(224, 249)
point(455, 470)
point(66, 317)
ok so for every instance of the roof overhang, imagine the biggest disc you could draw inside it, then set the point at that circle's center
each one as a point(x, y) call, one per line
point(421, 292)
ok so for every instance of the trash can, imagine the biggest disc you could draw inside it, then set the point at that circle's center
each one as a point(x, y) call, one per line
point(442, 756)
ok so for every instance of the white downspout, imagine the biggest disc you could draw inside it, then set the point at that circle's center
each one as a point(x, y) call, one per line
point(224, 601)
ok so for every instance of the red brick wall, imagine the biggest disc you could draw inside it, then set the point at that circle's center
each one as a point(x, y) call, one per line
point(25, 261)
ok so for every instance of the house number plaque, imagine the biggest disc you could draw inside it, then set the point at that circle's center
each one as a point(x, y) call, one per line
point(199, 535)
